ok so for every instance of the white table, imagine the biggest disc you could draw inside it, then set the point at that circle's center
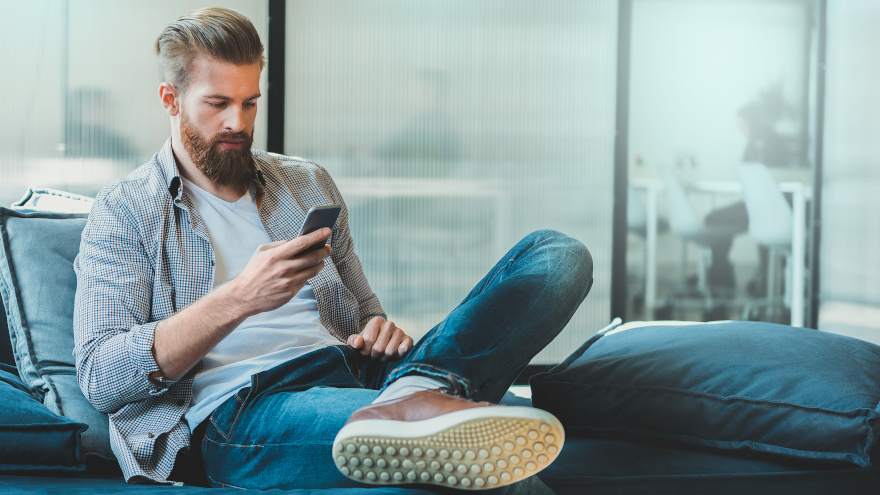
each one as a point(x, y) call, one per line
point(800, 194)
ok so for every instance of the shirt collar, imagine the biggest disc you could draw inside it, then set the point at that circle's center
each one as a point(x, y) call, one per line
point(172, 174)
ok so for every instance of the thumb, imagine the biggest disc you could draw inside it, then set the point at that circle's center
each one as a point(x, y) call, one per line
point(355, 341)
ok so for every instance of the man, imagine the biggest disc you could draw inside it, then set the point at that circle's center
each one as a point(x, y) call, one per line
point(208, 332)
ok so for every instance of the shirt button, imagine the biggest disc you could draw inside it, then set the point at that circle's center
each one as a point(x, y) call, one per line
point(150, 435)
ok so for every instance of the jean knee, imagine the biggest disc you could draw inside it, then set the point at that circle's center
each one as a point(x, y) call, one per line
point(546, 236)
point(581, 258)
point(572, 252)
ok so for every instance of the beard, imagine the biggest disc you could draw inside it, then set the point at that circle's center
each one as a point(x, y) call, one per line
point(223, 167)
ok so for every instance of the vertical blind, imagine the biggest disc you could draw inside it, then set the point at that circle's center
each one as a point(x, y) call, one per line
point(453, 129)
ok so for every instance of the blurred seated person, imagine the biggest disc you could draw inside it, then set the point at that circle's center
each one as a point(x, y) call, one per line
point(763, 145)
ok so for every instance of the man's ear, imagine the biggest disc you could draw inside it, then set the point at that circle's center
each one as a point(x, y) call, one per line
point(170, 98)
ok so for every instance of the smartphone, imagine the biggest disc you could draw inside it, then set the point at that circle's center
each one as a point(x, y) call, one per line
point(319, 217)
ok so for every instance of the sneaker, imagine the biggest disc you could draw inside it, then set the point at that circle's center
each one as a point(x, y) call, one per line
point(435, 438)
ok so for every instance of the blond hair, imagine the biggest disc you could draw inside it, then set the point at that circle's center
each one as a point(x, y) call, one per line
point(215, 33)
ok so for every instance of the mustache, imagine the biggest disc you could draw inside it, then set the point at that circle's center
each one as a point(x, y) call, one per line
point(228, 136)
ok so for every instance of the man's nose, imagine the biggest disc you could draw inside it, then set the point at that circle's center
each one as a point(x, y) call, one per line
point(234, 119)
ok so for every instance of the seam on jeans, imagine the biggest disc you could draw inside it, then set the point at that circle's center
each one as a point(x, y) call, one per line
point(495, 275)
point(216, 426)
point(240, 404)
point(264, 445)
point(241, 446)
point(255, 386)
point(356, 379)
point(225, 485)
point(255, 382)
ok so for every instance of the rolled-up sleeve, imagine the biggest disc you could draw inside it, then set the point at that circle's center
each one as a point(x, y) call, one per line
point(112, 329)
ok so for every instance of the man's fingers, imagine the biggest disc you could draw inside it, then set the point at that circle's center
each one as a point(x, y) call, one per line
point(394, 343)
point(405, 346)
point(355, 341)
point(386, 332)
point(383, 340)
point(368, 335)
point(297, 245)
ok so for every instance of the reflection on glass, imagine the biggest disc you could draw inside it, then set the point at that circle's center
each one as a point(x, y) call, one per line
point(713, 85)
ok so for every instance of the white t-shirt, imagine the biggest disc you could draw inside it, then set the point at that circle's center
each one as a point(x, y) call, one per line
point(262, 341)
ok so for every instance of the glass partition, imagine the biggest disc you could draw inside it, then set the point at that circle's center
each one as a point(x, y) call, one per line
point(715, 84)
point(849, 278)
point(453, 129)
point(82, 104)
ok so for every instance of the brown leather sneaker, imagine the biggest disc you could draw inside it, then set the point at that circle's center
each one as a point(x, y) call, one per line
point(436, 438)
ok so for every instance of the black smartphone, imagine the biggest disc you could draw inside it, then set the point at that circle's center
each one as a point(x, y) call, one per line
point(319, 217)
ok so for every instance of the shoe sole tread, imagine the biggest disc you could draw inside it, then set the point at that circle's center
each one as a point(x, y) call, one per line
point(472, 454)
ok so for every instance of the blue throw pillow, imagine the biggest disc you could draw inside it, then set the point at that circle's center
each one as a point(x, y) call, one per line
point(730, 385)
point(38, 286)
point(31, 437)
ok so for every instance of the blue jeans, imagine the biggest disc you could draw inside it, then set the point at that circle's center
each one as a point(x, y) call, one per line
point(278, 433)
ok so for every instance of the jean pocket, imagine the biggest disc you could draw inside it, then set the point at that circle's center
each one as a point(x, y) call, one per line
point(225, 417)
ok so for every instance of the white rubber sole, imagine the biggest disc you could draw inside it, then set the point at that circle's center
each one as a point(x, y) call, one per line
point(471, 449)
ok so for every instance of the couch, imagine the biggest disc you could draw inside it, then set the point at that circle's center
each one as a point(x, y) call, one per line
point(648, 407)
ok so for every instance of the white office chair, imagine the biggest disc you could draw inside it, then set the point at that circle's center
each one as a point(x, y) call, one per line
point(770, 225)
point(684, 222)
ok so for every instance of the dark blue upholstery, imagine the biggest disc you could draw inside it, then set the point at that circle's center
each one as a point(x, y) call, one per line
point(736, 385)
point(38, 285)
point(31, 437)
point(595, 465)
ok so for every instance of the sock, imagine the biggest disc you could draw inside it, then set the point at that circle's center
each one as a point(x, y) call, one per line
point(409, 384)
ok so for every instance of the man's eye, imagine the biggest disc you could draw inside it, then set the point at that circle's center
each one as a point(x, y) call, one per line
point(250, 104)
point(217, 105)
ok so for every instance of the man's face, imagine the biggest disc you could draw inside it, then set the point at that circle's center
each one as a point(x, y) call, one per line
point(217, 117)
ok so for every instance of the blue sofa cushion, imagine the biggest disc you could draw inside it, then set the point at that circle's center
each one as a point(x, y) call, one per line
point(38, 285)
point(728, 385)
point(32, 438)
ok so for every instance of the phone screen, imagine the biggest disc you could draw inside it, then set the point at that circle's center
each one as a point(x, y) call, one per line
point(319, 217)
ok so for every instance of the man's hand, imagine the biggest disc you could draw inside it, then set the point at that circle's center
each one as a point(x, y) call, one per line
point(278, 270)
point(381, 339)
point(272, 277)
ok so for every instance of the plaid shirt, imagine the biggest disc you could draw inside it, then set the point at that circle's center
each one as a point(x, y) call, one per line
point(145, 254)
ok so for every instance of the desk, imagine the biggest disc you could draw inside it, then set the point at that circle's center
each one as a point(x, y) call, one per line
point(800, 194)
